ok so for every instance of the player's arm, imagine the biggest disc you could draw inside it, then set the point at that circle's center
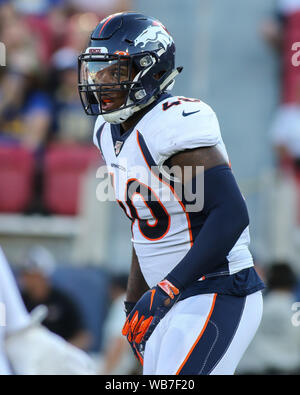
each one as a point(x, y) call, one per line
point(207, 157)
point(225, 210)
point(136, 285)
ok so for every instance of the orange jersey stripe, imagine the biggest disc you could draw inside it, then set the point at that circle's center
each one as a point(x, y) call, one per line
point(172, 189)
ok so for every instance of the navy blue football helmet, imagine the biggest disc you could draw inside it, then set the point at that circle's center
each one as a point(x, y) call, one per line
point(131, 55)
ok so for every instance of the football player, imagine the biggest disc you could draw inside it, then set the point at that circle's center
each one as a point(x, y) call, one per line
point(27, 347)
point(194, 298)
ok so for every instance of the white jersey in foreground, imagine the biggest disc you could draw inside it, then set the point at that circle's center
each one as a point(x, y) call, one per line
point(28, 348)
point(163, 230)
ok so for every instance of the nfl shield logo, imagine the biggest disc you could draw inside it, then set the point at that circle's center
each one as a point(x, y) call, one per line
point(118, 147)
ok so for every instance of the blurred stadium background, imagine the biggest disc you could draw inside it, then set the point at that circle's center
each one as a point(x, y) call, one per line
point(237, 57)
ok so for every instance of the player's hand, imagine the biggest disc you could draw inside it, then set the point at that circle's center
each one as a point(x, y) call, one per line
point(128, 308)
point(148, 312)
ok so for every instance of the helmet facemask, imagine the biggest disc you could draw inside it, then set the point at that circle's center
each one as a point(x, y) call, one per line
point(148, 50)
point(109, 84)
point(117, 86)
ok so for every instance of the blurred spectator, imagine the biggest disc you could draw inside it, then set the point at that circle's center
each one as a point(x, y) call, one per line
point(25, 109)
point(78, 30)
point(36, 7)
point(64, 317)
point(285, 132)
point(285, 135)
point(70, 125)
point(102, 8)
point(46, 20)
point(25, 105)
point(276, 346)
point(117, 357)
point(282, 32)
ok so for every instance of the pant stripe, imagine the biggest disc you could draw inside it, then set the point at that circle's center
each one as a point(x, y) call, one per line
point(199, 337)
point(216, 335)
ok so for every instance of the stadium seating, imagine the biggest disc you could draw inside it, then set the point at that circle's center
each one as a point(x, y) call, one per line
point(16, 178)
point(65, 166)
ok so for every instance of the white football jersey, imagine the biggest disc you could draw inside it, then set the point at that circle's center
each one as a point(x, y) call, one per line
point(163, 230)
